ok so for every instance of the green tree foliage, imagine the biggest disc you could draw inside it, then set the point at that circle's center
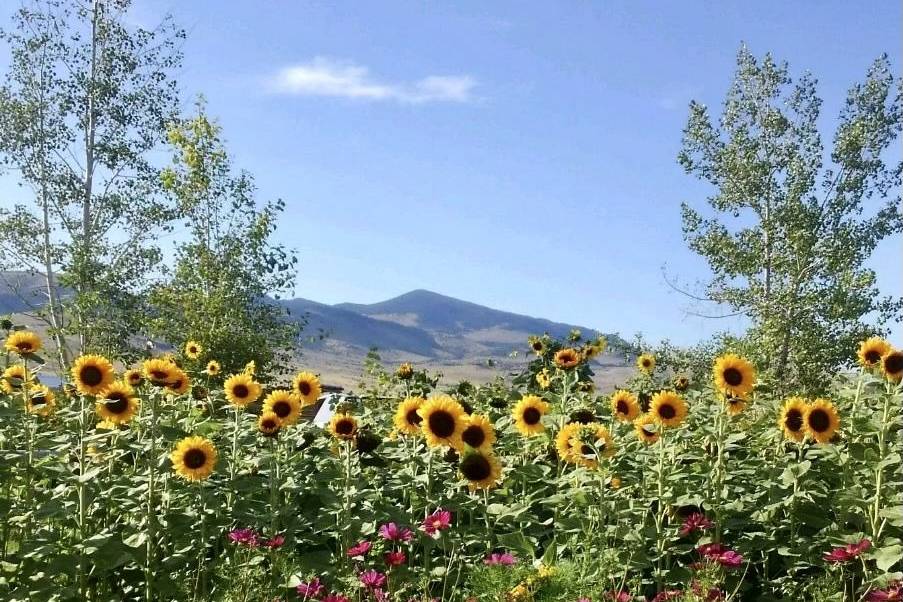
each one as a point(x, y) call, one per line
point(84, 101)
point(218, 292)
point(790, 228)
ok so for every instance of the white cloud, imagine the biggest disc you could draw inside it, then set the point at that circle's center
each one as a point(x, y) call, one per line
point(329, 77)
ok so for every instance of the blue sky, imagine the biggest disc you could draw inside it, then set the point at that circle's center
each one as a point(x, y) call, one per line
point(519, 155)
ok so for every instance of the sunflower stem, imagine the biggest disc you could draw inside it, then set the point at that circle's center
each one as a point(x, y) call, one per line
point(876, 523)
point(151, 494)
point(660, 514)
point(82, 499)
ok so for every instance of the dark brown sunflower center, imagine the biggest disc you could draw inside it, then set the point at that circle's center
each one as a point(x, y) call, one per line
point(344, 427)
point(893, 363)
point(794, 420)
point(24, 347)
point(473, 436)
point(38, 400)
point(646, 363)
point(623, 407)
point(476, 467)
point(667, 411)
point(872, 356)
point(586, 450)
point(177, 384)
point(117, 403)
point(159, 376)
point(442, 424)
point(733, 377)
point(532, 416)
point(647, 432)
point(241, 391)
point(268, 424)
point(194, 458)
point(91, 375)
point(413, 417)
point(537, 346)
point(819, 421)
point(304, 388)
point(282, 408)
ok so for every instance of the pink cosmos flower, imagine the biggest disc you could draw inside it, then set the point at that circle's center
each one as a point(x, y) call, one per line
point(310, 589)
point(503, 559)
point(438, 521)
point(711, 550)
point(246, 537)
point(372, 579)
point(892, 593)
point(847, 552)
point(359, 549)
point(695, 522)
point(275, 542)
point(730, 559)
point(395, 558)
point(393, 532)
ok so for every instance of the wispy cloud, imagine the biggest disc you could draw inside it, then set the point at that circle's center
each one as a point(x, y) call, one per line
point(324, 76)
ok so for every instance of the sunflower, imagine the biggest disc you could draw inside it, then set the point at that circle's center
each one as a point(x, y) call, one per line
point(159, 371)
point(871, 350)
point(480, 468)
point(892, 365)
point(588, 443)
point(681, 383)
point(791, 419)
point(284, 404)
point(735, 404)
point(478, 432)
point(343, 426)
point(269, 424)
point(563, 441)
point(734, 375)
point(668, 409)
point(567, 358)
point(213, 368)
point(193, 350)
point(646, 363)
point(23, 342)
point(117, 404)
point(194, 458)
point(821, 420)
point(528, 415)
point(41, 401)
point(407, 420)
point(241, 389)
point(537, 345)
point(179, 383)
point(442, 421)
point(543, 380)
point(307, 386)
point(624, 406)
point(646, 428)
point(14, 377)
point(133, 377)
point(404, 371)
point(92, 374)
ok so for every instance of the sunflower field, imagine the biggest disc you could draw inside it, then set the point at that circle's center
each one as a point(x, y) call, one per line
point(170, 480)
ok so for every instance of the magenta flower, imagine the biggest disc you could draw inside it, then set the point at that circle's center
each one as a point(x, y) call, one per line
point(310, 589)
point(847, 552)
point(503, 559)
point(730, 559)
point(395, 558)
point(438, 521)
point(372, 579)
point(246, 537)
point(393, 532)
point(711, 550)
point(359, 549)
point(695, 522)
point(275, 542)
point(892, 593)
point(668, 594)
